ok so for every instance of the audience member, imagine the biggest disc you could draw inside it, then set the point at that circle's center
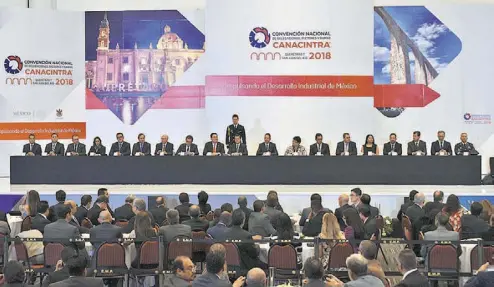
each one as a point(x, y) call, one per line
point(242, 203)
point(455, 212)
point(343, 205)
point(313, 224)
point(489, 234)
point(183, 208)
point(228, 207)
point(483, 278)
point(138, 207)
point(407, 204)
point(60, 196)
point(144, 231)
point(61, 270)
point(30, 208)
point(104, 191)
point(407, 265)
point(370, 226)
point(195, 222)
point(314, 272)
point(183, 273)
point(306, 212)
point(365, 200)
point(330, 231)
point(73, 221)
point(369, 249)
point(100, 205)
point(219, 229)
point(216, 217)
point(270, 209)
point(415, 212)
point(82, 210)
point(259, 223)
point(41, 219)
point(355, 195)
point(105, 231)
point(256, 277)
point(436, 205)
point(14, 274)
point(487, 210)
point(214, 265)
point(174, 228)
point(441, 233)
point(125, 212)
point(202, 198)
point(159, 212)
point(220, 249)
point(61, 230)
point(278, 205)
point(472, 226)
point(284, 227)
point(355, 226)
point(358, 273)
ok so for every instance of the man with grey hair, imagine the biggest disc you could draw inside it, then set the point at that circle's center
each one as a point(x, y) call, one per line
point(407, 265)
point(196, 223)
point(219, 229)
point(357, 271)
point(256, 278)
point(105, 232)
point(139, 205)
point(125, 212)
point(369, 249)
point(416, 212)
point(174, 229)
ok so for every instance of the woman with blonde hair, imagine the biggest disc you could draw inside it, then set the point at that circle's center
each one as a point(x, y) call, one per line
point(330, 230)
point(487, 210)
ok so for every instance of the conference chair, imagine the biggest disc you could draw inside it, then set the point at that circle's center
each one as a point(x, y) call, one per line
point(26, 223)
point(233, 260)
point(380, 227)
point(148, 263)
point(200, 249)
point(337, 259)
point(22, 256)
point(179, 246)
point(110, 261)
point(443, 263)
point(282, 263)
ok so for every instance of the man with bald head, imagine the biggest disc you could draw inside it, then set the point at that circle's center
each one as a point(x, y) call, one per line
point(196, 223)
point(219, 229)
point(73, 221)
point(159, 212)
point(105, 231)
point(256, 278)
point(437, 204)
point(343, 203)
point(164, 148)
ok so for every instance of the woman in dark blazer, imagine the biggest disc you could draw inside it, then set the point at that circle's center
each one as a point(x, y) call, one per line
point(97, 147)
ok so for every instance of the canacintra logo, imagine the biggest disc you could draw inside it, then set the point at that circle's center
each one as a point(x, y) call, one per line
point(13, 65)
point(259, 37)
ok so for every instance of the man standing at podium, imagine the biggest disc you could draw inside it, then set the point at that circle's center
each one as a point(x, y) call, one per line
point(76, 148)
point(32, 148)
point(233, 130)
point(55, 148)
point(213, 147)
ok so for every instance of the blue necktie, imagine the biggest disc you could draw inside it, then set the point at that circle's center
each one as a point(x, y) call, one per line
point(141, 147)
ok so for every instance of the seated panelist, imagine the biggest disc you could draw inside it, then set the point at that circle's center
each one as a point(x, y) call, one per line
point(32, 148)
point(55, 148)
point(464, 147)
point(164, 148)
point(120, 147)
point(296, 148)
point(319, 148)
point(346, 147)
point(417, 146)
point(370, 147)
point(267, 147)
point(213, 148)
point(142, 147)
point(97, 149)
point(237, 147)
point(188, 148)
point(441, 147)
point(76, 148)
point(392, 147)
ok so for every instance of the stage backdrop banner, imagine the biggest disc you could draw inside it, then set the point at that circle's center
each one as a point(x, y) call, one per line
point(42, 77)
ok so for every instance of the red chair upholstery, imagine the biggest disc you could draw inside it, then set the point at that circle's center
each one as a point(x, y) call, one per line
point(474, 257)
point(406, 224)
point(284, 261)
point(442, 263)
point(149, 260)
point(200, 249)
point(86, 223)
point(26, 223)
point(179, 246)
point(121, 223)
point(22, 255)
point(233, 259)
point(53, 253)
point(338, 255)
point(110, 261)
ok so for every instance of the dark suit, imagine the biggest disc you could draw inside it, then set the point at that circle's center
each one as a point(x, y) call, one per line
point(124, 149)
point(76, 223)
point(259, 224)
point(54, 211)
point(242, 149)
point(432, 205)
point(272, 213)
point(59, 148)
point(306, 213)
point(312, 228)
point(460, 148)
point(263, 147)
point(124, 212)
point(101, 150)
point(323, 149)
point(80, 149)
point(130, 226)
point(249, 255)
point(218, 230)
point(159, 214)
point(472, 226)
point(81, 213)
point(197, 224)
point(79, 282)
point(168, 148)
point(247, 211)
point(61, 231)
point(370, 228)
point(183, 148)
point(105, 232)
point(339, 215)
point(387, 148)
point(232, 131)
point(208, 147)
point(146, 148)
point(435, 147)
point(93, 214)
point(39, 222)
point(171, 231)
point(415, 213)
point(373, 210)
point(482, 279)
point(412, 147)
point(403, 209)
point(209, 280)
point(56, 276)
point(183, 211)
point(414, 279)
point(352, 148)
point(35, 149)
point(315, 283)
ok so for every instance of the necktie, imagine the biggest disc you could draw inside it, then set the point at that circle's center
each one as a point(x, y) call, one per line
point(30, 147)
point(267, 147)
point(319, 148)
point(163, 147)
point(214, 148)
point(441, 145)
point(141, 147)
point(53, 147)
point(119, 147)
point(346, 147)
point(75, 148)
point(187, 149)
point(417, 144)
point(392, 146)
point(237, 147)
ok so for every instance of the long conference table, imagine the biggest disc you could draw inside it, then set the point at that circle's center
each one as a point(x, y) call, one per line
point(282, 170)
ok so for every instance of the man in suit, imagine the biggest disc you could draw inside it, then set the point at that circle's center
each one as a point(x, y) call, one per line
point(270, 209)
point(440, 234)
point(238, 148)
point(55, 148)
point(483, 277)
point(41, 219)
point(142, 147)
point(233, 130)
point(259, 223)
point(76, 265)
point(355, 195)
point(82, 210)
point(314, 272)
point(174, 228)
point(358, 273)
point(188, 148)
point(60, 196)
point(242, 204)
point(256, 277)
point(407, 265)
point(267, 147)
point(183, 208)
point(164, 148)
point(441, 147)
point(213, 148)
point(346, 147)
point(138, 207)
point(105, 232)
point(100, 205)
point(370, 227)
point(196, 223)
point(73, 221)
point(406, 205)
point(215, 263)
point(125, 211)
point(61, 230)
point(308, 210)
point(319, 148)
point(220, 228)
point(183, 273)
point(471, 225)
point(392, 147)
point(104, 191)
point(31, 148)
point(365, 199)
point(76, 148)
point(417, 146)
point(369, 249)
point(415, 212)
point(159, 212)
point(343, 203)
point(435, 205)
point(464, 147)
point(120, 147)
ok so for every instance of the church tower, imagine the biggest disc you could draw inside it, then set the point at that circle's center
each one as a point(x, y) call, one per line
point(104, 34)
